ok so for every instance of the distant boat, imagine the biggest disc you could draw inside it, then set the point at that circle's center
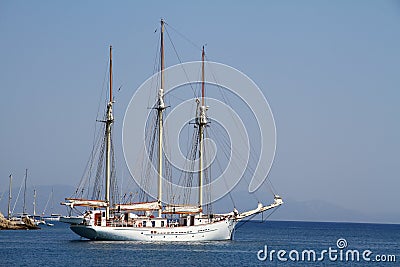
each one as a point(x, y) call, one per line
point(37, 219)
point(107, 219)
point(23, 219)
point(72, 219)
point(53, 216)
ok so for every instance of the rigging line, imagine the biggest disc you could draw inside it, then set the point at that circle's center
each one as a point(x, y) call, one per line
point(145, 181)
point(167, 169)
point(95, 136)
point(189, 156)
point(103, 86)
point(184, 37)
point(248, 166)
point(207, 175)
point(98, 181)
point(156, 69)
point(181, 64)
point(16, 200)
point(88, 164)
point(85, 179)
point(226, 184)
point(234, 152)
point(245, 221)
point(114, 182)
point(172, 95)
point(269, 215)
point(189, 175)
point(189, 146)
point(47, 203)
point(252, 155)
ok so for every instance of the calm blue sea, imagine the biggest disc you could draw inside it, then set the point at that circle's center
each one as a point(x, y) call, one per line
point(58, 246)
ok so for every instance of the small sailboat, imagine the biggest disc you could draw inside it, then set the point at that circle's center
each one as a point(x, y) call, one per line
point(53, 216)
point(37, 219)
point(23, 219)
point(107, 218)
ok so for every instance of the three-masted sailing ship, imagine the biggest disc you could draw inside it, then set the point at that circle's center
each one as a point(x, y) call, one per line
point(106, 218)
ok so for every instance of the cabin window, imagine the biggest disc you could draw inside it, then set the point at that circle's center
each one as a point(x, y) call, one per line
point(144, 223)
point(153, 224)
point(103, 214)
point(162, 223)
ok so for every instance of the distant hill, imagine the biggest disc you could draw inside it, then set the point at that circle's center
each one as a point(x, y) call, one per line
point(291, 210)
point(323, 211)
point(317, 211)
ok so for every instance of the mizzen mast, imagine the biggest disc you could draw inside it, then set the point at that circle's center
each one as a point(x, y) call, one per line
point(109, 121)
point(160, 108)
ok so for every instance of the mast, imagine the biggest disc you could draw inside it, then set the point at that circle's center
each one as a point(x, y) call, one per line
point(202, 122)
point(108, 122)
point(9, 199)
point(160, 109)
point(202, 76)
point(34, 203)
point(24, 206)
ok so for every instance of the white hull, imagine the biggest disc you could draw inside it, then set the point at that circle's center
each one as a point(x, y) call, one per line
point(71, 219)
point(222, 230)
point(51, 219)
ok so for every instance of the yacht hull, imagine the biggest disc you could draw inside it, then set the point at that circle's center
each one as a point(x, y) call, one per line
point(222, 230)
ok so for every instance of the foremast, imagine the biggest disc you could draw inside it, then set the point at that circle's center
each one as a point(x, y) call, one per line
point(160, 108)
point(109, 121)
point(201, 122)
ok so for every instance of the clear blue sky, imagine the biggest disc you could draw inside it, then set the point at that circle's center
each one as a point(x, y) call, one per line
point(329, 69)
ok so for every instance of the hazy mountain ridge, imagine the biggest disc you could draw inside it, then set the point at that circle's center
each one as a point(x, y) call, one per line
point(291, 210)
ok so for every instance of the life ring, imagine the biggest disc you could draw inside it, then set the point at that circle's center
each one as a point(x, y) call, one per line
point(140, 225)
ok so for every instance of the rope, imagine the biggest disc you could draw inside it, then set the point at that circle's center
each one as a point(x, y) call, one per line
point(184, 37)
point(180, 61)
point(262, 221)
point(252, 150)
point(16, 200)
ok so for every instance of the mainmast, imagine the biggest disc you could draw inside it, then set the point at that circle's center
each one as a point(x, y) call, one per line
point(108, 122)
point(9, 199)
point(160, 109)
point(202, 122)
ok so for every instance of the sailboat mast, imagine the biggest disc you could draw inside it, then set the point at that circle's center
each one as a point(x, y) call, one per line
point(202, 76)
point(162, 54)
point(109, 122)
point(202, 121)
point(34, 203)
point(9, 199)
point(24, 206)
point(160, 109)
point(111, 77)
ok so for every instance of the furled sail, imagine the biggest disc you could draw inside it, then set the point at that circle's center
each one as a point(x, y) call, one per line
point(71, 202)
point(179, 209)
point(143, 206)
